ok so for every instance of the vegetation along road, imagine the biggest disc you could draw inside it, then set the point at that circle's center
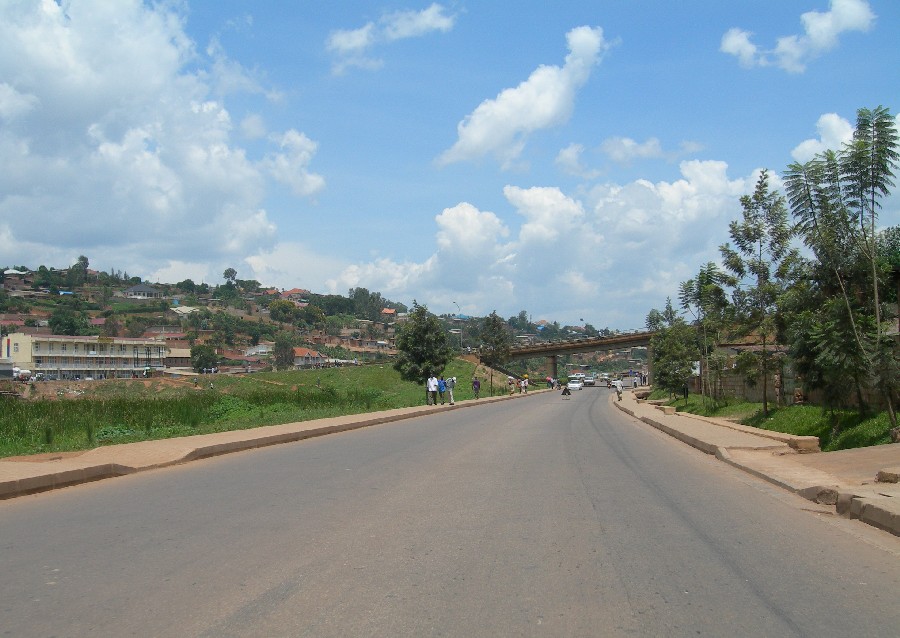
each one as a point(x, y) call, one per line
point(539, 516)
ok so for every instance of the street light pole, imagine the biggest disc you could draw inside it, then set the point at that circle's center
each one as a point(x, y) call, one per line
point(458, 313)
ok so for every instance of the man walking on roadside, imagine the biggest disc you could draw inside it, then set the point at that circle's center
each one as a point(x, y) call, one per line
point(432, 386)
point(451, 383)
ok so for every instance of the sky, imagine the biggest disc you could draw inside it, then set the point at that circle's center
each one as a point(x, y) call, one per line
point(576, 160)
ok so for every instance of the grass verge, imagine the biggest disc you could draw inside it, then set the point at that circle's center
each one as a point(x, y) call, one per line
point(111, 412)
point(837, 430)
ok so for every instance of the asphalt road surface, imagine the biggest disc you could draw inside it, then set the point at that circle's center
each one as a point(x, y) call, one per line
point(534, 517)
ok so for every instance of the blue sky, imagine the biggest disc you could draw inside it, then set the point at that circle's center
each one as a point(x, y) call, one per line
point(574, 160)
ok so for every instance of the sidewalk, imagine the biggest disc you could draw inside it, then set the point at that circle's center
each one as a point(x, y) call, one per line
point(860, 483)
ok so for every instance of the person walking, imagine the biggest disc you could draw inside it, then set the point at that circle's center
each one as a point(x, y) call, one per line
point(476, 387)
point(451, 383)
point(442, 387)
point(525, 384)
point(432, 387)
point(617, 384)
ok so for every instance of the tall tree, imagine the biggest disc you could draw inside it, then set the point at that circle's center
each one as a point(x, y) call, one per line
point(423, 346)
point(704, 298)
point(674, 348)
point(835, 198)
point(495, 343)
point(761, 263)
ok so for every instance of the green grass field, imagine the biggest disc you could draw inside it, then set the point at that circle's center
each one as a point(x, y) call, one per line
point(111, 412)
point(838, 430)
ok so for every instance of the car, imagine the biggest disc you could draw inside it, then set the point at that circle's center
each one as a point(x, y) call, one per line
point(589, 380)
point(575, 383)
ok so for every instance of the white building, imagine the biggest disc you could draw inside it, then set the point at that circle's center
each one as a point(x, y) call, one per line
point(67, 357)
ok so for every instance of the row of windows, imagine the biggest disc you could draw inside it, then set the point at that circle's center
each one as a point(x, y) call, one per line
point(99, 361)
point(101, 350)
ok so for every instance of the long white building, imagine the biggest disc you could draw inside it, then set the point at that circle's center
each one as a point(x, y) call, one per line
point(67, 357)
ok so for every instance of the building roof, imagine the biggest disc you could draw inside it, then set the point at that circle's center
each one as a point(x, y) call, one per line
point(142, 288)
point(306, 352)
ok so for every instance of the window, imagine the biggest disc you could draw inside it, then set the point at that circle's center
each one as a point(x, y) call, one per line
point(63, 347)
point(37, 347)
point(16, 347)
point(75, 348)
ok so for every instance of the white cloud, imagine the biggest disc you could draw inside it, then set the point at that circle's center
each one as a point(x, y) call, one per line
point(116, 141)
point(501, 126)
point(737, 43)
point(834, 131)
point(291, 264)
point(820, 34)
point(290, 167)
point(569, 161)
point(413, 24)
point(624, 149)
point(618, 246)
point(351, 46)
point(253, 127)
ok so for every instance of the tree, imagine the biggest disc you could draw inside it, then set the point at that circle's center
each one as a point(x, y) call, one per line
point(284, 350)
point(495, 342)
point(68, 319)
point(423, 346)
point(835, 199)
point(761, 263)
point(282, 310)
point(674, 348)
point(657, 320)
point(230, 275)
point(705, 299)
point(203, 357)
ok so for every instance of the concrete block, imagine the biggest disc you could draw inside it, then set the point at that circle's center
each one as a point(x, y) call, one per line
point(888, 475)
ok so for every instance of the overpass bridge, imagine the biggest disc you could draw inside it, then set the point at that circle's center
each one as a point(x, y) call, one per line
point(552, 349)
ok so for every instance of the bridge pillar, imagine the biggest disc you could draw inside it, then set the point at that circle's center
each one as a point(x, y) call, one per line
point(554, 372)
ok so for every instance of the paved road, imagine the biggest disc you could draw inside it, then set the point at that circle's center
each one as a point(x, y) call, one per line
point(538, 517)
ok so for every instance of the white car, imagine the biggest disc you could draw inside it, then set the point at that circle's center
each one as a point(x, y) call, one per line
point(575, 384)
point(589, 380)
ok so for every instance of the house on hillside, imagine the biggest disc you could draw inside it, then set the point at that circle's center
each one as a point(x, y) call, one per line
point(17, 279)
point(295, 294)
point(143, 291)
point(306, 358)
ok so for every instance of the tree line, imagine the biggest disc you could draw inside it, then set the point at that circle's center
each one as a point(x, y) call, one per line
point(829, 306)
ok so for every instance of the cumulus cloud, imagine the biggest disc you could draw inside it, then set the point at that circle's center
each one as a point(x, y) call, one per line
point(615, 246)
point(350, 47)
point(290, 167)
point(501, 126)
point(116, 140)
point(820, 34)
point(834, 131)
